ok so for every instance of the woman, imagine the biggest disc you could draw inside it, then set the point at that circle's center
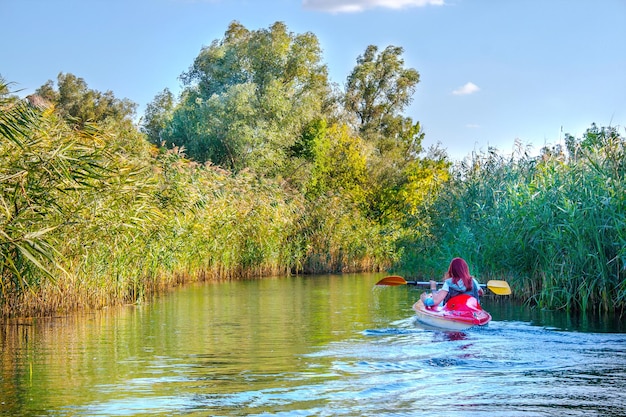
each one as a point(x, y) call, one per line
point(456, 281)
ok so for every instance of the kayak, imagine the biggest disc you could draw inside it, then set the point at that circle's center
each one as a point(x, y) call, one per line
point(459, 313)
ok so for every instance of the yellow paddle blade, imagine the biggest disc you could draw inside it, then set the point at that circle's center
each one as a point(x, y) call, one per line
point(499, 287)
point(392, 280)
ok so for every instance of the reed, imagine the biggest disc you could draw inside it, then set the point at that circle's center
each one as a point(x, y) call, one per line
point(339, 238)
point(553, 225)
point(96, 217)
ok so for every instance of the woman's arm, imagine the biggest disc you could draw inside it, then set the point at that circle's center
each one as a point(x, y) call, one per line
point(480, 289)
point(433, 298)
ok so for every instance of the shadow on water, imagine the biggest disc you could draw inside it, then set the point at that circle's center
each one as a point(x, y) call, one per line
point(593, 322)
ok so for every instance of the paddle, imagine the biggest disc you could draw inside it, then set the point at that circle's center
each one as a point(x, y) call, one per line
point(495, 286)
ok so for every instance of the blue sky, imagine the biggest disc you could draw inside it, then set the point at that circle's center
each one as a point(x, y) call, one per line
point(492, 71)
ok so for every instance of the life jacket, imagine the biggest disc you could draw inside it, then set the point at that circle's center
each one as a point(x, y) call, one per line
point(454, 290)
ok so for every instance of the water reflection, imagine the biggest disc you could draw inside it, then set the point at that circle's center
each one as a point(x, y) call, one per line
point(454, 336)
point(327, 345)
point(590, 322)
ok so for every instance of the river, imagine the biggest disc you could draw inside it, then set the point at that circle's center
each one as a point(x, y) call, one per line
point(329, 345)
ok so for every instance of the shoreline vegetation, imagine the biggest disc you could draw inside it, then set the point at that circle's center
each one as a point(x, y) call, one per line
point(261, 167)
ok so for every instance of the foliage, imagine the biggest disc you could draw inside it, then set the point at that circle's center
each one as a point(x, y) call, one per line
point(96, 216)
point(338, 238)
point(259, 168)
point(158, 117)
point(377, 91)
point(76, 103)
point(339, 164)
point(554, 224)
point(248, 99)
point(23, 243)
point(50, 175)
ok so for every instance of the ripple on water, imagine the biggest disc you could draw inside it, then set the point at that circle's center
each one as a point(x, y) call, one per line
point(305, 353)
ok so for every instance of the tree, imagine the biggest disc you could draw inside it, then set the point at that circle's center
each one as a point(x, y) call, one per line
point(378, 89)
point(76, 103)
point(340, 164)
point(249, 97)
point(158, 117)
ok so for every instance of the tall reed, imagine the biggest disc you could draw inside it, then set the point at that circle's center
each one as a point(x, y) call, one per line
point(96, 216)
point(553, 225)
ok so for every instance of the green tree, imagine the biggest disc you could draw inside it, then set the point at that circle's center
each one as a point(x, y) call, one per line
point(158, 117)
point(249, 97)
point(77, 103)
point(340, 164)
point(378, 90)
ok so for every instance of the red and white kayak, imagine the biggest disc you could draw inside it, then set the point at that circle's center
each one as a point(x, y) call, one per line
point(459, 313)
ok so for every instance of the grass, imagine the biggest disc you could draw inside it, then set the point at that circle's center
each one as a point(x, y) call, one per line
point(96, 216)
point(552, 225)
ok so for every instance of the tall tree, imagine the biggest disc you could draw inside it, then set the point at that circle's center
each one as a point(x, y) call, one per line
point(377, 91)
point(75, 102)
point(158, 116)
point(249, 97)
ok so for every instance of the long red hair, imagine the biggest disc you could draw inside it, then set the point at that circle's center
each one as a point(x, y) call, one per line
point(459, 270)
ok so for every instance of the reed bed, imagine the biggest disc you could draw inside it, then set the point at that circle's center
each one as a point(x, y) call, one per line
point(552, 225)
point(96, 216)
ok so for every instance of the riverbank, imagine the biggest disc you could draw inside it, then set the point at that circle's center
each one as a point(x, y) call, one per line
point(92, 215)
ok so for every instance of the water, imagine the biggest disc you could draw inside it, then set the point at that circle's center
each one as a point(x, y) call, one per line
point(309, 346)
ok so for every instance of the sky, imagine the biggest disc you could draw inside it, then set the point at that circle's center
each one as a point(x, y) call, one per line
point(493, 73)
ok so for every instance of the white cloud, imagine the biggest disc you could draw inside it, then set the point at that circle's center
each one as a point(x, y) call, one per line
point(354, 6)
point(472, 126)
point(469, 88)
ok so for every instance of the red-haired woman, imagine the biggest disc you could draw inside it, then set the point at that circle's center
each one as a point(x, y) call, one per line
point(456, 281)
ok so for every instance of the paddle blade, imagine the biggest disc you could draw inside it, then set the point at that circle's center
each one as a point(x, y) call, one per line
point(499, 287)
point(392, 280)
